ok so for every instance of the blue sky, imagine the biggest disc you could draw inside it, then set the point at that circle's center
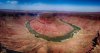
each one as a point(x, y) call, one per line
point(58, 5)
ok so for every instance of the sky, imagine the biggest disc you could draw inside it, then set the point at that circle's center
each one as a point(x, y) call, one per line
point(53, 5)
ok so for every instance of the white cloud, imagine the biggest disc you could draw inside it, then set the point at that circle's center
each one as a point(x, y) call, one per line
point(12, 2)
point(41, 6)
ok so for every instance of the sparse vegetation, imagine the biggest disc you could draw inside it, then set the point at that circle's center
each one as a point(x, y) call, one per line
point(16, 37)
point(55, 39)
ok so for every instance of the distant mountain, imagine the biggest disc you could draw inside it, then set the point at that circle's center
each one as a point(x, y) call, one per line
point(45, 11)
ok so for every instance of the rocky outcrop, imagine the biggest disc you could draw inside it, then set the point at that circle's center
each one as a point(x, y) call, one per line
point(15, 37)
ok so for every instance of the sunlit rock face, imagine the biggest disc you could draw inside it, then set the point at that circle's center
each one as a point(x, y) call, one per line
point(15, 36)
point(50, 26)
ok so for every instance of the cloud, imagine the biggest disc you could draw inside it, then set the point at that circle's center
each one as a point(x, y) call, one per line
point(42, 6)
point(12, 2)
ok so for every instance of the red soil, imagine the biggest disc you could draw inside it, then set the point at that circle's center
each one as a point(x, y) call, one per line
point(84, 23)
point(51, 28)
point(15, 36)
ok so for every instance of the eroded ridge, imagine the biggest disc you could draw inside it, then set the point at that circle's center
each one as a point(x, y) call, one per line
point(55, 39)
